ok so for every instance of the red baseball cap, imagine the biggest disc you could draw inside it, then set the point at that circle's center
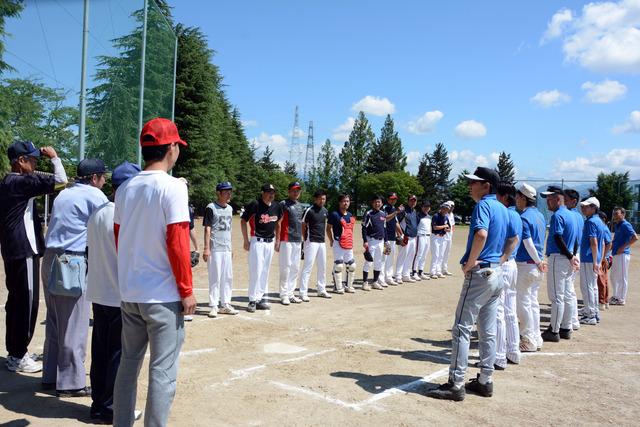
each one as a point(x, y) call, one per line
point(160, 131)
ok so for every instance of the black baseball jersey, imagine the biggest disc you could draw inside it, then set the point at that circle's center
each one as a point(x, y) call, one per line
point(373, 225)
point(291, 226)
point(316, 219)
point(20, 227)
point(262, 218)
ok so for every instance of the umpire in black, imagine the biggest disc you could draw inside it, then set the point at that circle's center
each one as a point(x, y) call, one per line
point(22, 245)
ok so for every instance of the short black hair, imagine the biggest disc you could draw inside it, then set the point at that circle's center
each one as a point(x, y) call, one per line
point(509, 190)
point(319, 193)
point(155, 153)
point(343, 196)
point(603, 216)
point(622, 210)
point(376, 197)
point(572, 194)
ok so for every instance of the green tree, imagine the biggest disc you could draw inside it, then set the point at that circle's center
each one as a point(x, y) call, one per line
point(402, 183)
point(8, 9)
point(433, 174)
point(266, 162)
point(354, 152)
point(505, 168)
point(460, 195)
point(612, 189)
point(386, 152)
point(289, 168)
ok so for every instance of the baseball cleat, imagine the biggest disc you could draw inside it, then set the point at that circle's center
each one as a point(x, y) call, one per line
point(435, 276)
point(408, 279)
point(392, 282)
point(304, 298)
point(350, 289)
point(441, 276)
point(366, 286)
point(588, 321)
point(294, 299)
point(447, 273)
point(377, 286)
point(227, 309)
point(263, 305)
point(425, 276)
point(527, 346)
point(251, 308)
point(213, 313)
point(513, 358)
point(339, 291)
point(447, 391)
point(551, 336)
point(285, 301)
point(475, 386)
point(324, 294)
point(565, 334)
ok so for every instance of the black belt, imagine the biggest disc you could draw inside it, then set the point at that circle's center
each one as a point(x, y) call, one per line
point(264, 239)
point(488, 264)
point(83, 253)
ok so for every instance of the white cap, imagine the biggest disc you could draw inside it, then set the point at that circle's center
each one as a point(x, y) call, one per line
point(450, 203)
point(591, 201)
point(527, 191)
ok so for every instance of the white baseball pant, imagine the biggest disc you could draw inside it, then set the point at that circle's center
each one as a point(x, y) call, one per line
point(589, 289)
point(507, 333)
point(527, 285)
point(289, 267)
point(389, 260)
point(559, 286)
point(448, 239)
point(437, 252)
point(575, 322)
point(220, 268)
point(260, 255)
point(620, 276)
point(422, 250)
point(343, 262)
point(314, 252)
point(404, 262)
point(376, 248)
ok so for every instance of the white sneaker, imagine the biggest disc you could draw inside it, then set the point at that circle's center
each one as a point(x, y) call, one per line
point(213, 313)
point(366, 286)
point(350, 290)
point(398, 280)
point(304, 298)
point(446, 273)
point(441, 276)
point(416, 277)
point(602, 306)
point(377, 286)
point(425, 276)
point(383, 283)
point(26, 364)
point(188, 318)
point(435, 276)
point(392, 282)
point(339, 291)
point(408, 279)
point(285, 301)
point(294, 299)
point(227, 309)
point(324, 294)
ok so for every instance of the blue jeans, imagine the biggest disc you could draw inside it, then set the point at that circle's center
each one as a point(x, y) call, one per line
point(478, 300)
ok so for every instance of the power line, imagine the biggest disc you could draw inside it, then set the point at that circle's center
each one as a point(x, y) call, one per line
point(46, 43)
point(97, 40)
point(40, 71)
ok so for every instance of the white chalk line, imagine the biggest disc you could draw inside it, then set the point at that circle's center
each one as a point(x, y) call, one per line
point(316, 395)
point(190, 352)
point(239, 374)
point(591, 353)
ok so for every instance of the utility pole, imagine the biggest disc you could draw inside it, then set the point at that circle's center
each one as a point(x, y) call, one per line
point(294, 149)
point(83, 81)
point(309, 157)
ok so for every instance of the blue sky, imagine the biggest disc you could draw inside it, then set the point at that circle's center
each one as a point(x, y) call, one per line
point(554, 83)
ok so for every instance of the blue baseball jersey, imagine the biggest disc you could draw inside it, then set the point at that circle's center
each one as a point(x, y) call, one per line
point(580, 224)
point(591, 229)
point(564, 223)
point(534, 227)
point(623, 232)
point(409, 222)
point(490, 215)
point(514, 228)
point(391, 224)
point(605, 235)
point(373, 225)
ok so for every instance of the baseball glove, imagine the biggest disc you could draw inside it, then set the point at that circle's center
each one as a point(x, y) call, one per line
point(367, 256)
point(195, 258)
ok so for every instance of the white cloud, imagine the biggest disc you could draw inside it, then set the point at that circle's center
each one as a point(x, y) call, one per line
point(413, 161)
point(494, 157)
point(341, 133)
point(469, 160)
point(278, 143)
point(299, 132)
point(374, 105)
point(471, 129)
point(604, 38)
point(558, 23)
point(249, 123)
point(618, 159)
point(632, 125)
point(425, 123)
point(550, 98)
point(604, 92)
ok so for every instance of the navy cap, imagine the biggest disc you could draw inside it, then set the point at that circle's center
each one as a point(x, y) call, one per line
point(268, 188)
point(88, 167)
point(123, 172)
point(552, 189)
point(295, 186)
point(426, 203)
point(485, 174)
point(226, 185)
point(22, 148)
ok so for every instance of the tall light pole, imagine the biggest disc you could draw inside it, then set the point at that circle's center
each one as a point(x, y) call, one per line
point(83, 80)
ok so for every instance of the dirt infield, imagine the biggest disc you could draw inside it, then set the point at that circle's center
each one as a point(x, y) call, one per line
point(364, 359)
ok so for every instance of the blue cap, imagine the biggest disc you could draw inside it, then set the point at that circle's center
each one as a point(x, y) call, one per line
point(123, 172)
point(226, 185)
point(22, 148)
point(88, 167)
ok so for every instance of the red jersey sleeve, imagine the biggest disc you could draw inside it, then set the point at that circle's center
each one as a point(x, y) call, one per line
point(180, 256)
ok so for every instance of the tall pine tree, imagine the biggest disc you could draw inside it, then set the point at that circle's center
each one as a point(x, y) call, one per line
point(433, 174)
point(356, 149)
point(386, 153)
point(506, 169)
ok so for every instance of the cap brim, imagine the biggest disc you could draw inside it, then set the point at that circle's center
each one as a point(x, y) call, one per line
point(295, 187)
point(473, 177)
point(182, 142)
point(547, 193)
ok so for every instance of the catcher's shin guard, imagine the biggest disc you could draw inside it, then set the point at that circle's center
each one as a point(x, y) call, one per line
point(351, 273)
point(337, 276)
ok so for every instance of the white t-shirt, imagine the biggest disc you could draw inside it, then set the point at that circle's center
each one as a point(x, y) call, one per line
point(145, 205)
point(424, 225)
point(102, 274)
point(452, 221)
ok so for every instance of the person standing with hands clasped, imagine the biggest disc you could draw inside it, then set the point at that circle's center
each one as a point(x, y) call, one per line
point(486, 246)
point(22, 245)
point(314, 224)
point(151, 226)
point(623, 238)
point(263, 216)
point(290, 244)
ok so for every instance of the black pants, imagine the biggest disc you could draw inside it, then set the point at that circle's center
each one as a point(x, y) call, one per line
point(106, 347)
point(23, 284)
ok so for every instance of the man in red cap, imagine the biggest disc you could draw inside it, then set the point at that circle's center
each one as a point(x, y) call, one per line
point(154, 274)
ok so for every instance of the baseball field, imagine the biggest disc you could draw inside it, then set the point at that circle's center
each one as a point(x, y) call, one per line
point(364, 359)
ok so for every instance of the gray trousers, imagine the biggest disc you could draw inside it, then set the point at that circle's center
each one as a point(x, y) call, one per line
point(67, 329)
point(161, 326)
point(560, 289)
point(478, 300)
